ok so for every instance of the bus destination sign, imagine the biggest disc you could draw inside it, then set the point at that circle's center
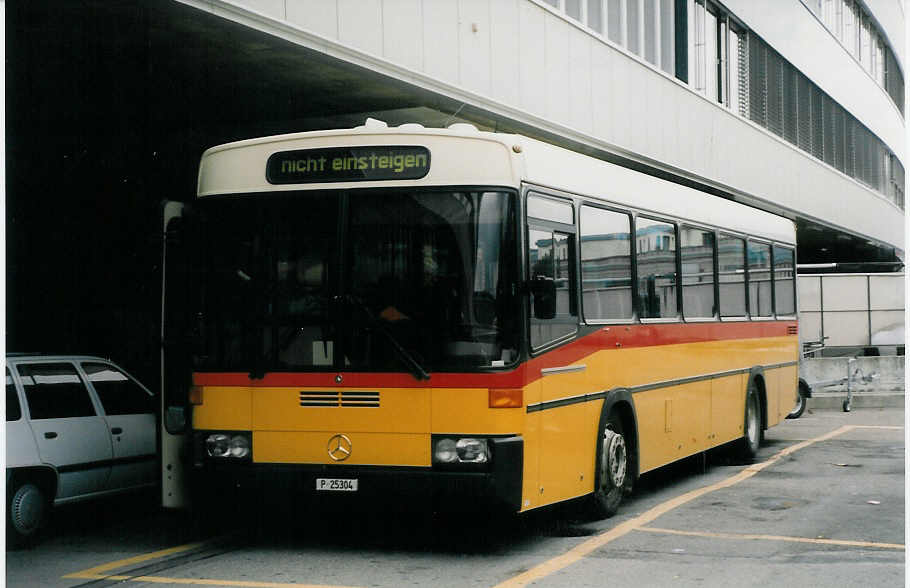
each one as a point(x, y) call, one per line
point(348, 164)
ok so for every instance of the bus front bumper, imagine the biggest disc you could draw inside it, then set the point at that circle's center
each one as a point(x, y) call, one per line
point(498, 486)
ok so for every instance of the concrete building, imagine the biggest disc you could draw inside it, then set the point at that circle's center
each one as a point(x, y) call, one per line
point(794, 106)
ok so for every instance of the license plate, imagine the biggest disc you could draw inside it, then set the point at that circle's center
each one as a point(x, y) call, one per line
point(336, 484)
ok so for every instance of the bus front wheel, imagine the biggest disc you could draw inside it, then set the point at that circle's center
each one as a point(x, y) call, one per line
point(612, 470)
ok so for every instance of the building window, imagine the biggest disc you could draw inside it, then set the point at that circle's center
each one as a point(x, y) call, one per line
point(596, 15)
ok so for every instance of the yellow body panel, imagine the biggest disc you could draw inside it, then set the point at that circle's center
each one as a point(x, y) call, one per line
point(224, 408)
point(378, 449)
point(400, 410)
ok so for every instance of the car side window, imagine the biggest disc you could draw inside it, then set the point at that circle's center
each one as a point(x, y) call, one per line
point(116, 391)
point(54, 391)
point(13, 410)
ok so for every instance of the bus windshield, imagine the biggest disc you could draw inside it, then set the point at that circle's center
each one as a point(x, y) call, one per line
point(367, 280)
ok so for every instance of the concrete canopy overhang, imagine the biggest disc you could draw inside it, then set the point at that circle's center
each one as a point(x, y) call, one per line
point(111, 103)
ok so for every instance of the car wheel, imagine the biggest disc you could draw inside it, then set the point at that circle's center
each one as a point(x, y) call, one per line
point(613, 474)
point(26, 513)
point(799, 408)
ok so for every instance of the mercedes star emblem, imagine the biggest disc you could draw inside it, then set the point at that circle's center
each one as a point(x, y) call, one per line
point(340, 447)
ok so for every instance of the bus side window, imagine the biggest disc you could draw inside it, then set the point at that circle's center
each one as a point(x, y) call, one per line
point(731, 263)
point(760, 303)
point(784, 289)
point(697, 251)
point(655, 258)
point(606, 265)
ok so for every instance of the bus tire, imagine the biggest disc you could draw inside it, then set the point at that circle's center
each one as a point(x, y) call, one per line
point(752, 431)
point(27, 510)
point(613, 473)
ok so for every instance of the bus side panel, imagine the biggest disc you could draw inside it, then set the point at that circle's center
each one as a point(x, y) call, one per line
point(673, 423)
point(728, 399)
point(567, 451)
point(530, 492)
point(786, 382)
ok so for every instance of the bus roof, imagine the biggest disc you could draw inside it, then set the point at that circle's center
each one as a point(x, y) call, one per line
point(462, 155)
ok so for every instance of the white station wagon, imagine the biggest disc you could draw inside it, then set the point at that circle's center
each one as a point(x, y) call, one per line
point(77, 427)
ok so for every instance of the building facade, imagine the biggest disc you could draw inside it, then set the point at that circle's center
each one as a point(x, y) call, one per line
point(795, 106)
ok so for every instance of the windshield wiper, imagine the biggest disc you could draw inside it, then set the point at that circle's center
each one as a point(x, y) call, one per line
point(417, 370)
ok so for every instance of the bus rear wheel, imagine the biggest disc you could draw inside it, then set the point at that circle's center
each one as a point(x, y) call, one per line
point(613, 474)
point(752, 431)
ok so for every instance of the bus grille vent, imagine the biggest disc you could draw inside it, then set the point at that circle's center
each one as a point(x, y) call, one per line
point(791, 330)
point(343, 398)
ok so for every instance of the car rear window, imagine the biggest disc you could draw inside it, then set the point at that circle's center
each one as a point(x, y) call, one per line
point(117, 392)
point(54, 391)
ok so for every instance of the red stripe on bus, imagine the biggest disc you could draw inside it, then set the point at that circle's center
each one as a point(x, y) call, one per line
point(607, 337)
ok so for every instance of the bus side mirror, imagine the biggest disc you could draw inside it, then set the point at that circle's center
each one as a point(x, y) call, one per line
point(175, 420)
point(543, 293)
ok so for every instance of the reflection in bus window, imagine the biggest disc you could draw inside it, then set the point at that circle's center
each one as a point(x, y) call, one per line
point(606, 264)
point(697, 251)
point(784, 291)
point(759, 279)
point(656, 260)
point(731, 263)
point(550, 256)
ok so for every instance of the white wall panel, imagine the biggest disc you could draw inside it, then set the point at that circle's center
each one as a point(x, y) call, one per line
point(474, 45)
point(532, 58)
point(504, 56)
point(273, 8)
point(886, 292)
point(402, 32)
point(360, 24)
point(846, 328)
point(556, 71)
point(845, 292)
point(318, 16)
point(440, 51)
point(580, 107)
point(810, 293)
point(603, 92)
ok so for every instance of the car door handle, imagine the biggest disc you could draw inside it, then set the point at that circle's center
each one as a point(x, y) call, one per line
point(116, 431)
point(50, 435)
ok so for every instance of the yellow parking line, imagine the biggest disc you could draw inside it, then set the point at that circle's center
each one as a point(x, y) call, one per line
point(579, 551)
point(239, 583)
point(201, 581)
point(884, 427)
point(98, 572)
point(841, 542)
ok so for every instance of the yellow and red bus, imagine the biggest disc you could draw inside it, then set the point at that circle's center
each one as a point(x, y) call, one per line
point(475, 317)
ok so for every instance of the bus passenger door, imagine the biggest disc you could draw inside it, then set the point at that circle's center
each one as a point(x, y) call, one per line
point(176, 375)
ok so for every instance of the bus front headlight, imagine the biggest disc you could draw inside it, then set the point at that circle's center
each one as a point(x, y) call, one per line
point(228, 445)
point(454, 450)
